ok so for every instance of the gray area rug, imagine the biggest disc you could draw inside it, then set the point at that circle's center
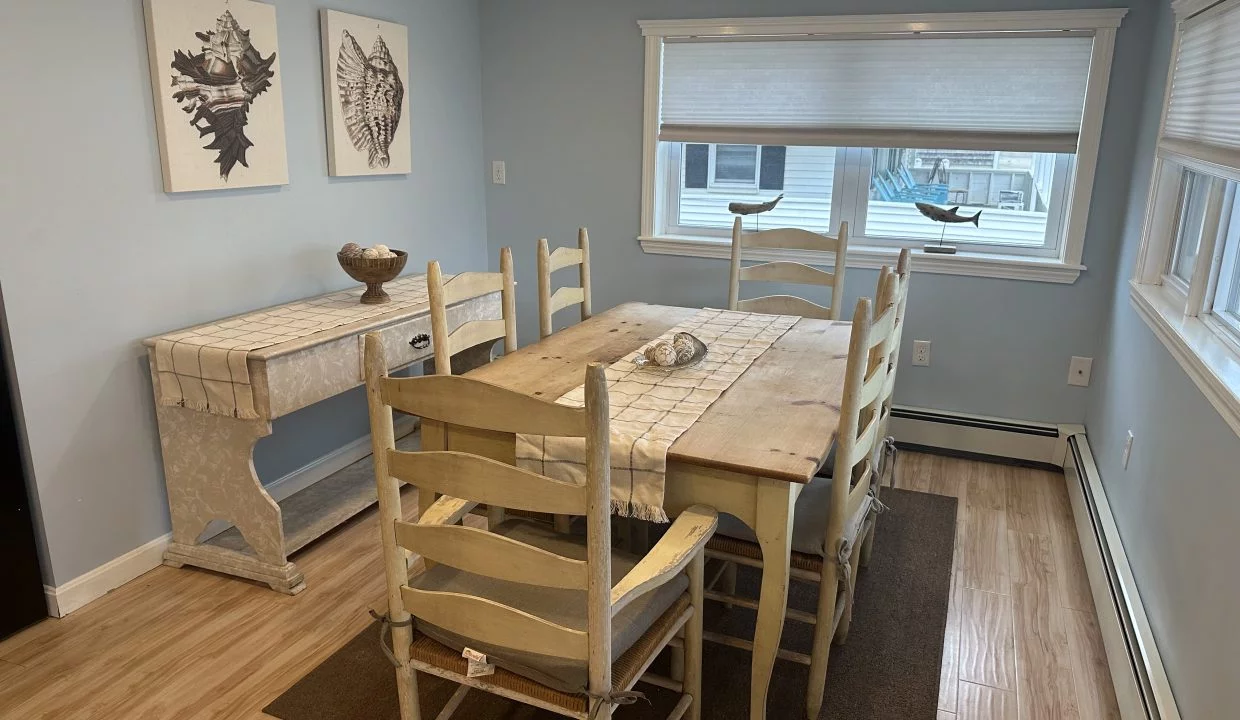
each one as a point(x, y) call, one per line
point(888, 669)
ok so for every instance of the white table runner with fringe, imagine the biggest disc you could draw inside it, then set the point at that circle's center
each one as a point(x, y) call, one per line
point(652, 407)
point(205, 367)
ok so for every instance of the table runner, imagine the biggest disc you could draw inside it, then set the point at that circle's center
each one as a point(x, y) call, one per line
point(204, 368)
point(652, 407)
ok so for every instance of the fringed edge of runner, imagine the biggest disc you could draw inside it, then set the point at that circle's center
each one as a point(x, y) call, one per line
point(206, 407)
point(649, 513)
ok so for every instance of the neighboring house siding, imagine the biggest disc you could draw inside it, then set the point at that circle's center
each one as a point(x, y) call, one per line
point(808, 176)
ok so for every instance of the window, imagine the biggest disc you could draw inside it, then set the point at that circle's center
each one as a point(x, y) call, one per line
point(1017, 190)
point(1226, 304)
point(735, 165)
point(698, 198)
point(1187, 280)
point(827, 112)
point(1194, 188)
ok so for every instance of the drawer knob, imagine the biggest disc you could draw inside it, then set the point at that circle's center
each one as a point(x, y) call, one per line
point(421, 341)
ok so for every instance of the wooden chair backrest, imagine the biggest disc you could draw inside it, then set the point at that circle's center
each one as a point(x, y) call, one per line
point(788, 272)
point(865, 379)
point(465, 286)
point(464, 402)
point(548, 262)
point(901, 277)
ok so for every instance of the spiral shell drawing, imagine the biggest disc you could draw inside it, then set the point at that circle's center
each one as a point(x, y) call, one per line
point(218, 85)
point(370, 97)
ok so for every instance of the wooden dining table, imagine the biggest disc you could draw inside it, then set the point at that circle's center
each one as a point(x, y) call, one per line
point(749, 454)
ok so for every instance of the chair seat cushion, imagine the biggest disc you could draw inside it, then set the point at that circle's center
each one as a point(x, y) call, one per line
point(809, 528)
point(563, 607)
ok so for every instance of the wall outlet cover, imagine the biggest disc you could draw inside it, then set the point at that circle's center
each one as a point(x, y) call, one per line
point(1127, 449)
point(921, 353)
point(499, 173)
point(1078, 371)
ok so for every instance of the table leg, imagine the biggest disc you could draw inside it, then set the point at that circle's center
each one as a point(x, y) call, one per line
point(774, 515)
point(209, 472)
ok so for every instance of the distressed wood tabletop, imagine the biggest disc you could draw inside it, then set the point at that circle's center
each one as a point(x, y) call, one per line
point(778, 420)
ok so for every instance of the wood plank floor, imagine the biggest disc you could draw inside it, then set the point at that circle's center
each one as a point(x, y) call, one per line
point(1022, 638)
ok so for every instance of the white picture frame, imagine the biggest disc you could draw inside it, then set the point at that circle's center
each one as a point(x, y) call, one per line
point(216, 130)
point(366, 59)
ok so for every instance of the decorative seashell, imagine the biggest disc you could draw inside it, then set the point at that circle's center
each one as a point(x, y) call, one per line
point(370, 97)
point(383, 249)
point(684, 353)
point(217, 86)
point(351, 249)
point(370, 254)
point(662, 354)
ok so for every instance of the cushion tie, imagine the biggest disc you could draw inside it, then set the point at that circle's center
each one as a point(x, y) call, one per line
point(385, 628)
point(843, 558)
point(615, 698)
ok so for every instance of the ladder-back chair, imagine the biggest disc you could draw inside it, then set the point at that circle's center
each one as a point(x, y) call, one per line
point(788, 272)
point(448, 341)
point(465, 286)
point(830, 516)
point(563, 257)
point(885, 453)
point(544, 608)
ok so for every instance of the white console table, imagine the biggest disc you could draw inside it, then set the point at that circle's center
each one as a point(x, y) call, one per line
point(208, 452)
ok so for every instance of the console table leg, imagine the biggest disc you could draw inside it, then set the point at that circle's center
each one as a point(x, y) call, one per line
point(209, 472)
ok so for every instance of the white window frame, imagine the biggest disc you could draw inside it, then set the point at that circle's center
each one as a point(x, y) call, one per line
point(1206, 345)
point(1061, 265)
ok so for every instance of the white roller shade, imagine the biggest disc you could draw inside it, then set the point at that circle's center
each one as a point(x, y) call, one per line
point(985, 93)
point(1203, 113)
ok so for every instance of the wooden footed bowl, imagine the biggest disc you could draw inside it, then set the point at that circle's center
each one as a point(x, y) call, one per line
point(374, 272)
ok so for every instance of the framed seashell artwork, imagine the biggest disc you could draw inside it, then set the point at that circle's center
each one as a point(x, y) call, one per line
point(365, 98)
point(216, 80)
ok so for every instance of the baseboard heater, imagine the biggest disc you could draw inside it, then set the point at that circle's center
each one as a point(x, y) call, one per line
point(976, 435)
point(1141, 684)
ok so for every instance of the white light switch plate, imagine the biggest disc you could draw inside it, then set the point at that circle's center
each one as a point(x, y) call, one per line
point(1127, 449)
point(499, 173)
point(1078, 371)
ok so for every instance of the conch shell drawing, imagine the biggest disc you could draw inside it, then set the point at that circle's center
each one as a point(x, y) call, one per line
point(218, 85)
point(370, 97)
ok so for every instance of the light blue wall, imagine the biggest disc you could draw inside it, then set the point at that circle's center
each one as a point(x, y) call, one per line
point(562, 105)
point(1176, 504)
point(96, 256)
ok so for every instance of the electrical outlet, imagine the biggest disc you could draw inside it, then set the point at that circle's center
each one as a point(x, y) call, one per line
point(921, 353)
point(499, 174)
point(1078, 371)
point(1127, 449)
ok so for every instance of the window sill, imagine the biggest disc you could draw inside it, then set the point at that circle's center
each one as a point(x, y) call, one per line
point(1211, 362)
point(868, 256)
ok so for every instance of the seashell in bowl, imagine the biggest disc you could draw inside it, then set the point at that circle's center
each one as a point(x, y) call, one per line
point(661, 354)
point(683, 351)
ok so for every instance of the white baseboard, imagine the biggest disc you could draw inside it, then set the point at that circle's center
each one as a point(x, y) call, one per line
point(89, 586)
point(978, 434)
point(79, 591)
